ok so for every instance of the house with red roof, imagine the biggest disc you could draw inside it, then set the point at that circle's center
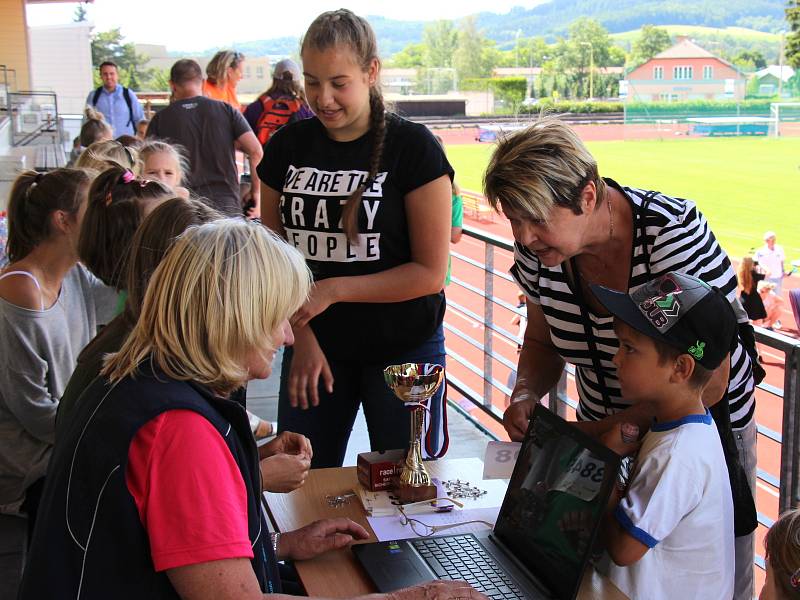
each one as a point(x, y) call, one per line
point(685, 71)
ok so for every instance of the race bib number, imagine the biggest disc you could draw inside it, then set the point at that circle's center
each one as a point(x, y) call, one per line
point(500, 459)
point(583, 477)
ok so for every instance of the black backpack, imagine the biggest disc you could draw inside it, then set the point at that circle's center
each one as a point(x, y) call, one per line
point(125, 94)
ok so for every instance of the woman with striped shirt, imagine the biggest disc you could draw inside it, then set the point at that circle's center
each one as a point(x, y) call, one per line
point(572, 229)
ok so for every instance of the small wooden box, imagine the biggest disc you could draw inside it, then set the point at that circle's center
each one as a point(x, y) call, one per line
point(377, 469)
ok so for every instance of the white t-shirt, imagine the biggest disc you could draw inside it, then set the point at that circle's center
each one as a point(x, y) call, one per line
point(771, 260)
point(679, 505)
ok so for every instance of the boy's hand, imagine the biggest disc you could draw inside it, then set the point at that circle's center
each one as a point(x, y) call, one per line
point(622, 438)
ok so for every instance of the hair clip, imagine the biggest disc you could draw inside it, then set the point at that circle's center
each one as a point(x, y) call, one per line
point(795, 579)
point(127, 176)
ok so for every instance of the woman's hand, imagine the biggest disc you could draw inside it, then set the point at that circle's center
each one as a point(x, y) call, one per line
point(517, 416)
point(308, 365)
point(287, 442)
point(322, 295)
point(282, 473)
point(319, 537)
point(438, 590)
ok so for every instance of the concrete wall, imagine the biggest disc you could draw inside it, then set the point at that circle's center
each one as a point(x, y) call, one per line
point(14, 41)
point(61, 62)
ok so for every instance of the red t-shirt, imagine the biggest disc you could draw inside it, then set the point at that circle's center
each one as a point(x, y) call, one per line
point(189, 491)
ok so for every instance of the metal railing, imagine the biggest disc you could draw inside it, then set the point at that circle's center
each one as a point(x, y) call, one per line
point(787, 482)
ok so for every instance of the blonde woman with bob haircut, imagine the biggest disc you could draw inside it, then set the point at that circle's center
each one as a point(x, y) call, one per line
point(573, 228)
point(155, 485)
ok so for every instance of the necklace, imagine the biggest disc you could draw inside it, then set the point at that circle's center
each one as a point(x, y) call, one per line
point(610, 237)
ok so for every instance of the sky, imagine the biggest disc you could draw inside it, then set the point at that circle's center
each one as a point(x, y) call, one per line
point(200, 24)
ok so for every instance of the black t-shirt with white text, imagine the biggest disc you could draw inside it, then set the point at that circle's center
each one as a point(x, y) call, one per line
point(315, 176)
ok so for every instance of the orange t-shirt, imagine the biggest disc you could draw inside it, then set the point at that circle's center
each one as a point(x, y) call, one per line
point(226, 93)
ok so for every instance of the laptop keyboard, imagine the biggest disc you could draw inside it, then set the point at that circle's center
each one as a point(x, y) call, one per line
point(462, 557)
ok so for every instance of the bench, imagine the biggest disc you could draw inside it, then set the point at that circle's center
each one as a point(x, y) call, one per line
point(475, 206)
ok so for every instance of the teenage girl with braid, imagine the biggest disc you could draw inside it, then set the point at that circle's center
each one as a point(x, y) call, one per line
point(365, 195)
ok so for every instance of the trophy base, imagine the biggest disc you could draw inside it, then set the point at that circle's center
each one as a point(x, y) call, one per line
point(407, 494)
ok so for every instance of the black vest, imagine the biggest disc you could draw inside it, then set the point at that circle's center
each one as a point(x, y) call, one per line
point(89, 541)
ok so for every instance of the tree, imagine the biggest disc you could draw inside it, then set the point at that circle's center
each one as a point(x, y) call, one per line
point(439, 40)
point(110, 45)
point(792, 49)
point(409, 57)
point(616, 56)
point(469, 59)
point(588, 45)
point(650, 42)
point(750, 60)
point(80, 13)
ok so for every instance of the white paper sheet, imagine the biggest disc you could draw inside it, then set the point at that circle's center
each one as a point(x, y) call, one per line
point(389, 528)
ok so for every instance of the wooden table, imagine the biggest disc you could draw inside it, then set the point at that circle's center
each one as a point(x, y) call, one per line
point(337, 574)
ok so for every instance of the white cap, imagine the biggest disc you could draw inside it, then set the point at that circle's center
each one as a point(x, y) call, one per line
point(284, 66)
point(768, 234)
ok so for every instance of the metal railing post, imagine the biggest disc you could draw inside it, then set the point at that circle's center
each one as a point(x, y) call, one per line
point(556, 397)
point(790, 444)
point(488, 320)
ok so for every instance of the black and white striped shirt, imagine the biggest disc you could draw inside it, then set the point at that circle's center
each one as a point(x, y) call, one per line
point(676, 237)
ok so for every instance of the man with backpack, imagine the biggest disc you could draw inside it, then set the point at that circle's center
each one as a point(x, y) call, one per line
point(119, 105)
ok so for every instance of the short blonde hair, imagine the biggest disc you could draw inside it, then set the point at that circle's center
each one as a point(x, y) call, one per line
point(220, 293)
point(101, 156)
point(540, 167)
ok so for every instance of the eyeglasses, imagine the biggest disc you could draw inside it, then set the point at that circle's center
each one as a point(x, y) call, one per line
point(425, 530)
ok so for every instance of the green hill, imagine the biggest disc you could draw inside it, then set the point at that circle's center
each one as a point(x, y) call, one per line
point(745, 20)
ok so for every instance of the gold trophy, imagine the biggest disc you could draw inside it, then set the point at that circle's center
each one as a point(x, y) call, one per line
point(414, 384)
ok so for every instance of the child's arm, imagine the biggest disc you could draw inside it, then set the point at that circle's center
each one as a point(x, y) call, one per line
point(622, 547)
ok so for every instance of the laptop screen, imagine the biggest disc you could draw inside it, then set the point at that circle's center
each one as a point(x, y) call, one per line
point(555, 499)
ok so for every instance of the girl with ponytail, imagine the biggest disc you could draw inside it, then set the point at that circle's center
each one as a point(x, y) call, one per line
point(365, 195)
point(118, 202)
point(48, 313)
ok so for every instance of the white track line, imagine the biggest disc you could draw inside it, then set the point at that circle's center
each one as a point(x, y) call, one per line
point(768, 489)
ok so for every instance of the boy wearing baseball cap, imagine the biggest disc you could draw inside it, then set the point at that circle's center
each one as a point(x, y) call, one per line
point(671, 535)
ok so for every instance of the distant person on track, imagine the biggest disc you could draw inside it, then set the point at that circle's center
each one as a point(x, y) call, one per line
point(773, 305)
point(572, 229)
point(749, 276)
point(771, 258)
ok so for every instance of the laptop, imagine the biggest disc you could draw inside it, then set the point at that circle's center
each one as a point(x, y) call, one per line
point(545, 531)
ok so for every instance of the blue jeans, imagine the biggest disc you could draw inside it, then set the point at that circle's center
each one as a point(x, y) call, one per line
point(357, 382)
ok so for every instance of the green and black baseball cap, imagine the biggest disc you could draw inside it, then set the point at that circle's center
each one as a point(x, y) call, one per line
point(681, 311)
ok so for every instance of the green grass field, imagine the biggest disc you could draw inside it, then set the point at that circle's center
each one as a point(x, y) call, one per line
point(744, 186)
